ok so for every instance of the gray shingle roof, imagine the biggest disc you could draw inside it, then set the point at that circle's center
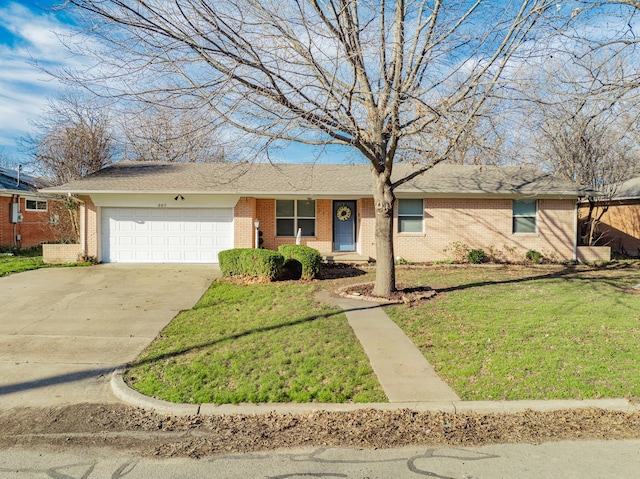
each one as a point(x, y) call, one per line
point(314, 180)
point(630, 189)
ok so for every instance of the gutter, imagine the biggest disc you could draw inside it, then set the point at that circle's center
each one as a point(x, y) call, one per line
point(575, 232)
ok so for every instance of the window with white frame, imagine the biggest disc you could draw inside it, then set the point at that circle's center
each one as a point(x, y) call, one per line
point(525, 216)
point(36, 205)
point(410, 216)
point(294, 214)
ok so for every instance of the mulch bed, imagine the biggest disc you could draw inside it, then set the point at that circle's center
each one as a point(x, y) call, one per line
point(364, 291)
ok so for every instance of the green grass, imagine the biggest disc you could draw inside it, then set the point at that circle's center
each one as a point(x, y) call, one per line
point(256, 343)
point(28, 259)
point(17, 264)
point(529, 333)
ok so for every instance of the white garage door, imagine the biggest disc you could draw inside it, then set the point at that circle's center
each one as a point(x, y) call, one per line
point(165, 235)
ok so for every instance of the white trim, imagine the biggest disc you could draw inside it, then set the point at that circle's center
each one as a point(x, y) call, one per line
point(537, 216)
point(295, 217)
point(37, 200)
point(184, 200)
point(575, 232)
point(398, 215)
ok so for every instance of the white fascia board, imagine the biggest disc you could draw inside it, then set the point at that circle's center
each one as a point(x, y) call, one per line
point(164, 200)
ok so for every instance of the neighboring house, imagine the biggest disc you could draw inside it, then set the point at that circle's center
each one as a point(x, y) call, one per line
point(620, 224)
point(189, 212)
point(26, 216)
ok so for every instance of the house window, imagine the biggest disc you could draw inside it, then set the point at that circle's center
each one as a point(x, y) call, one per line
point(410, 216)
point(294, 214)
point(525, 216)
point(36, 205)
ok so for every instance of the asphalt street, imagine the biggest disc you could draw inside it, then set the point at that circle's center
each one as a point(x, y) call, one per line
point(561, 460)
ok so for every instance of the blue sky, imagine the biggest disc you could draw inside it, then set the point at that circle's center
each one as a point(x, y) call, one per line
point(27, 34)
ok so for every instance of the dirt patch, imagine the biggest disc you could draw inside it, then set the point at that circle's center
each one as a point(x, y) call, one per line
point(343, 270)
point(147, 433)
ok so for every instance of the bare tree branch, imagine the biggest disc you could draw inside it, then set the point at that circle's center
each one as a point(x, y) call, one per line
point(370, 75)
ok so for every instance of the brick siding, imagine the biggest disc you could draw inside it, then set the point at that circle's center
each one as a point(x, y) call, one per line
point(323, 241)
point(478, 223)
point(243, 217)
point(34, 229)
point(92, 243)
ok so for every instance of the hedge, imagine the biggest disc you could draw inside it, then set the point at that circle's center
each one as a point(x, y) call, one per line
point(261, 263)
point(301, 258)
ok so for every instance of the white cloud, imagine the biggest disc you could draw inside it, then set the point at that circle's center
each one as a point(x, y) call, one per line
point(24, 88)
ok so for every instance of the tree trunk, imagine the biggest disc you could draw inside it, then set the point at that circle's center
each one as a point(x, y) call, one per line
point(383, 199)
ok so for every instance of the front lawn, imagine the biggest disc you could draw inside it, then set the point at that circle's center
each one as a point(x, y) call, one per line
point(15, 264)
point(257, 343)
point(529, 332)
point(28, 259)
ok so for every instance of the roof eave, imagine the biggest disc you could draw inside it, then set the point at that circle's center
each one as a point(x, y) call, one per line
point(325, 195)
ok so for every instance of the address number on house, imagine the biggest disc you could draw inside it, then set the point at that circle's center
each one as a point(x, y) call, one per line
point(162, 205)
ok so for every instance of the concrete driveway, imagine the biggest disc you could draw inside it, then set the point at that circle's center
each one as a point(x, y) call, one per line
point(63, 330)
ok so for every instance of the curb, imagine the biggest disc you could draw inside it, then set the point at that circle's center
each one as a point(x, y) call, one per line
point(134, 398)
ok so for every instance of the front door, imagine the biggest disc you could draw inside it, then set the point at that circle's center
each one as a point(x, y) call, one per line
point(344, 225)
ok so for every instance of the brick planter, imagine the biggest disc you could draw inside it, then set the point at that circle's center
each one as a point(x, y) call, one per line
point(594, 253)
point(61, 253)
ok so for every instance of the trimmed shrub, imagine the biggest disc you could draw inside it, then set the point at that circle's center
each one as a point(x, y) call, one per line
point(260, 263)
point(304, 259)
point(476, 256)
point(534, 256)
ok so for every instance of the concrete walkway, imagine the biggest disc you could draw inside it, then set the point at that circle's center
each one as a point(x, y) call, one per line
point(403, 372)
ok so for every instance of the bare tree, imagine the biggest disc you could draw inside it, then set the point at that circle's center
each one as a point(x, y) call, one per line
point(5, 160)
point(371, 75)
point(72, 139)
point(173, 133)
point(581, 134)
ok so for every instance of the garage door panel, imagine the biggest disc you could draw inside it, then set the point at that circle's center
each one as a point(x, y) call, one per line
point(174, 256)
point(165, 235)
point(191, 241)
point(141, 241)
point(174, 241)
point(122, 225)
point(158, 241)
point(158, 256)
point(208, 241)
point(124, 241)
point(141, 256)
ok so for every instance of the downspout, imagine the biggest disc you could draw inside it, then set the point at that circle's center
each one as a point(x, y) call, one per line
point(16, 199)
point(575, 231)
